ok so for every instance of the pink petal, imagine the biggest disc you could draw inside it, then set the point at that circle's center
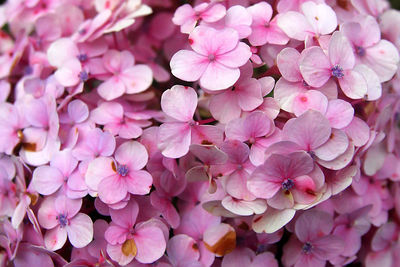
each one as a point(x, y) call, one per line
point(272, 220)
point(150, 243)
point(328, 247)
point(287, 61)
point(182, 14)
point(236, 57)
point(310, 100)
point(206, 40)
point(249, 96)
point(188, 65)
point(224, 107)
point(137, 78)
point(214, 13)
point(260, 186)
point(383, 58)
point(213, 236)
point(99, 169)
point(112, 189)
point(339, 162)
point(334, 147)
point(295, 25)
point(78, 111)
point(126, 217)
point(303, 191)
point(285, 92)
point(115, 253)
point(260, 12)
point(339, 113)
point(243, 207)
point(321, 16)
point(80, 230)
point(47, 214)
point(66, 206)
point(115, 234)
point(107, 112)
point(56, 57)
point(111, 88)
point(313, 224)
point(68, 74)
point(139, 182)
point(315, 66)
point(218, 76)
point(55, 238)
point(353, 85)
point(182, 248)
point(374, 85)
point(310, 130)
point(179, 102)
point(236, 185)
point(133, 154)
point(174, 139)
point(116, 61)
point(46, 180)
point(341, 52)
point(208, 154)
point(265, 258)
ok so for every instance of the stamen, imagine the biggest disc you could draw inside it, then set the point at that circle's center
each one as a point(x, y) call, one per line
point(307, 248)
point(82, 57)
point(62, 220)
point(360, 51)
point(122, 170)
point(83, 76)
point(337, 72)
point(287, 184)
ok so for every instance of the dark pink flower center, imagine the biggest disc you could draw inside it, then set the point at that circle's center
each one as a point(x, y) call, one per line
point(287, 184)
point(83, 76)
point(360, 51)
point(62, 220)
point(307, 248)
point(337, 71)
point(211, 57)
point(122, 170)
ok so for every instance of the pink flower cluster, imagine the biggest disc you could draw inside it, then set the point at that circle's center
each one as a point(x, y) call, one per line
point(213, 133)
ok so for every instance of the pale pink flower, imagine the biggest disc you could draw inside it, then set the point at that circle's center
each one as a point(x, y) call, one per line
point(114, 180)
point(61, 219)
point(187, 17)
point(216, 58)
point(265, 30)
point(126, 77)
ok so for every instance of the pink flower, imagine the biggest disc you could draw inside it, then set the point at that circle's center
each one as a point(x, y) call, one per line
point(379, 55)
point(144, 241)
point(315, 20)
point(284, 180)
point(113, 180)
point(61, 219)
point(317, 68)
point(313, 244)
point(216, 58)
point(180, 130)
point(247, 257)
point(265, 30)
point(126, 77)
point(187, 17)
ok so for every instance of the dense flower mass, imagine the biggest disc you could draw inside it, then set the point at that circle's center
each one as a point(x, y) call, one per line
point(199, 133)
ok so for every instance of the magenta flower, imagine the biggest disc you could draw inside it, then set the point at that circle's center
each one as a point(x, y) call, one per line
point(216, 58)
point(59, 215)
point(113, 180)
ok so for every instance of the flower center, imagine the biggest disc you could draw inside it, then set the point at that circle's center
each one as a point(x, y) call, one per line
point(62, 220)
point(82, 57)
point(337, 71)
point(287, 184)
point(360, 51)
point(122, 170)
point(211, 57)
point(307, 248)
point(83, 76)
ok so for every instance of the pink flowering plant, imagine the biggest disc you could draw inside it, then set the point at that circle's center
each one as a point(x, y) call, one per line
point(199, 133)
